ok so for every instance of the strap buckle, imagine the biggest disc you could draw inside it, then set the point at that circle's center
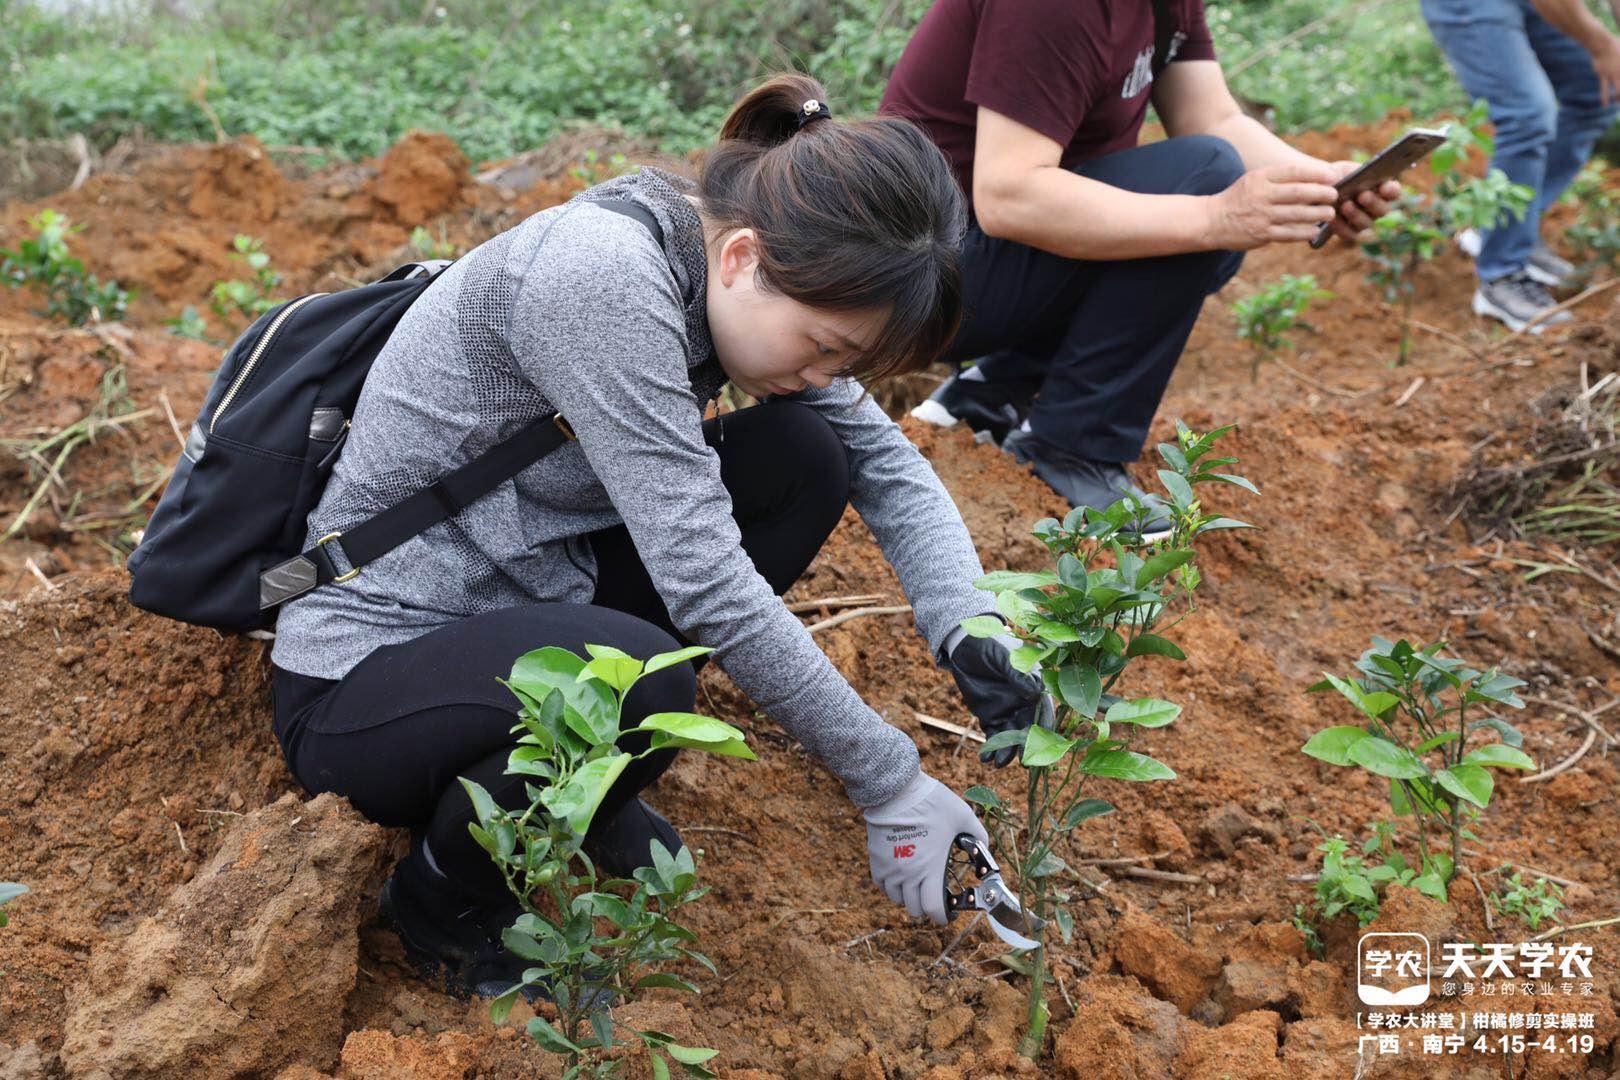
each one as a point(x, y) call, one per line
point(565, 427)
point(354, 571)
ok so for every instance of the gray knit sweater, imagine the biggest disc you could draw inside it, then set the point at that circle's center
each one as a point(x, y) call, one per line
point(578, 309)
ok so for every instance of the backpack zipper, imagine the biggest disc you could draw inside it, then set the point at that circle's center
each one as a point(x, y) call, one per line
point(253, 358)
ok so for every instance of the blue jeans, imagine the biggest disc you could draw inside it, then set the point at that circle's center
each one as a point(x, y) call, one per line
point(1544, 100)
point(1099, 339)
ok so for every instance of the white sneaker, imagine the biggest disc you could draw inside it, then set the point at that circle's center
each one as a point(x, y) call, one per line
point(1517, 300)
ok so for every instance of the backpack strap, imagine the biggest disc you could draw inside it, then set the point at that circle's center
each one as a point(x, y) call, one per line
point(1164, 33)
point(340, 556)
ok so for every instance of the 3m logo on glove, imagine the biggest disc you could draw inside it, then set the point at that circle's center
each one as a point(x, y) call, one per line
point(904, 851)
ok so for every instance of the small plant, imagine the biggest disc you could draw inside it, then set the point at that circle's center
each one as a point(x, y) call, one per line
point(1416, 230)
point(1533, 904)
point(9, 891)
point(250, 298)
point(1416, 734)
point(43, 262)
point(593, 942)
point(1354, 882)
point(1595, 234)
point(1082, 625)
point(428, 246)
point(1265, 318)
point(188, 324)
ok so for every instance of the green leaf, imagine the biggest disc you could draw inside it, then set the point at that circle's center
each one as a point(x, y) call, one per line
point(980, 795)
point(501, 1007)
point(539, 672)
point(1439, 740)
point(1054, 632)
point(1065, 923)
point(1173, 457)
point(984, 626)
point(692, 727)
point(670, 659)
point(1470, 783)
point(1431, 886)
point(1124, 765)
point(1163, 563)
point(1510, 734)
point(1048, 865)
point(575, 802)
point(1043, 748)
point(1499, 756)
point(1333, 744)
point(619, 672)
point(665, 979)
point(660, 1071)
point(1005, 580)
point(1154, 645)
point(1002, 739)
point(1373, 705)
point(689, 1055)
point(1215, 524)
point(483, 804)
point(1380, 756)
point(1176, 484)
point(1240, 481)
point(1144, 712)
point(550, 1038)
point(1085, 810)
point(1357, 886)
point(1025, 658)
point(1081, 688)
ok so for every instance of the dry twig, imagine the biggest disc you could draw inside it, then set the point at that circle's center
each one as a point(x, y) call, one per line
point(830, 602)
point(827, 624)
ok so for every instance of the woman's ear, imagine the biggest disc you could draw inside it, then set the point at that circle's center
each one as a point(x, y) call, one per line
point(739, 257)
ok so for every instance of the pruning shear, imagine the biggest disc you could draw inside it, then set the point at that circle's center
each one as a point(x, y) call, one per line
point(991, 895)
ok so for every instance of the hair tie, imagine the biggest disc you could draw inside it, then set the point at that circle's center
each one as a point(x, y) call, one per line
point(811, 111)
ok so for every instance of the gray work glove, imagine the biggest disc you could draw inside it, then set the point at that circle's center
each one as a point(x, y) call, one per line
point(909, 840)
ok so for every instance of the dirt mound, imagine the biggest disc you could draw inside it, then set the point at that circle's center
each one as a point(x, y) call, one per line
point(246, 967)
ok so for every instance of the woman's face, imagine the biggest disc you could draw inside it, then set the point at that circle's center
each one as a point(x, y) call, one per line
point(768, 343)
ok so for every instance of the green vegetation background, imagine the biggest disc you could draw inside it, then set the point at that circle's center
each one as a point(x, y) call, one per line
point(351, 76)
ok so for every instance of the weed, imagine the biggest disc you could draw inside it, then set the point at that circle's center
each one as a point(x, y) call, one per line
point(1533, 904)
point(1081, 626)
point(592, 170)
point(251, 298)
point(427, 246)
point(1595, 233)
point(568, 727)
point(1354, 882)
point(1265, 318)
point(1416, 734)
point(43, 262)
point(188, 324)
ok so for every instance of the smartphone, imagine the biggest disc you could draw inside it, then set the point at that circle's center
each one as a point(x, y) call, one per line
point(1391, 161)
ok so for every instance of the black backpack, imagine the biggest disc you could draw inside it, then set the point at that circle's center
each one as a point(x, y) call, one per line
point(224, 546)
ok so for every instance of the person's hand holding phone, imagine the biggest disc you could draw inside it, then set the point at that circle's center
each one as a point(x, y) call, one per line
point(1271, 204)
point(1355, 216)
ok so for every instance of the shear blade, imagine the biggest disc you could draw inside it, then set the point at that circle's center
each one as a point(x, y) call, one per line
point(1009, 921)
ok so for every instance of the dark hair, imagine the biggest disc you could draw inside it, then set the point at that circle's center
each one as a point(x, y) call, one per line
point(849, 214)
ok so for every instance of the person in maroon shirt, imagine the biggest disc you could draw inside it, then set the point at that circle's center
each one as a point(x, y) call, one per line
point(1089, 257)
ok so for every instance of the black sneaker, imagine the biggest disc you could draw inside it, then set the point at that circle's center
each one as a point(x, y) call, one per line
point(1083, 482)
point(989, 408)
point(453, 940)
point(622, 844)
point(1517, 300)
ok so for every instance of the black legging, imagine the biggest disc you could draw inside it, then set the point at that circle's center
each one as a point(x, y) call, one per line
point(393, 735)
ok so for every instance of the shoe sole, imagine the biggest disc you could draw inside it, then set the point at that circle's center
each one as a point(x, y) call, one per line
point(1482, 305)
point(932, 412)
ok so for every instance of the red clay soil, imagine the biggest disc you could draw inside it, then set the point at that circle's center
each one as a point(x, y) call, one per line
point(131, 748)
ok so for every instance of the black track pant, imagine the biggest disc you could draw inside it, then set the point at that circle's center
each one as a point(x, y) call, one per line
point(394, 734)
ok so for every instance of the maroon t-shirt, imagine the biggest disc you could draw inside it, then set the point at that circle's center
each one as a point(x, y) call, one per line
point(1077, 71)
